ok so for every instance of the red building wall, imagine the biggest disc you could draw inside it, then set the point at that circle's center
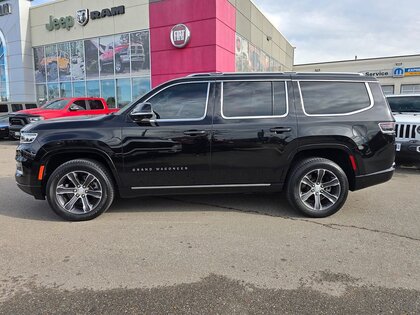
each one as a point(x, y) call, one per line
point(212, 45)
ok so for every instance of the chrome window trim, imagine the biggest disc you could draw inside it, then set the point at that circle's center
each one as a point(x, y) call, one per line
point(201, 186)
point(272, 97)
point(372, 102)
point(182, 119)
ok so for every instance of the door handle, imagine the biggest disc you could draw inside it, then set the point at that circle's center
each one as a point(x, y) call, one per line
point(195, 132)
point(280, 129)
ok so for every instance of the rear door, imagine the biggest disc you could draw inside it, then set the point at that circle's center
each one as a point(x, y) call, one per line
point(254, 132)
point(96, 107)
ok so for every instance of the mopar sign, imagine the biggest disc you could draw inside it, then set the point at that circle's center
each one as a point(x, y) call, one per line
point(398, 72)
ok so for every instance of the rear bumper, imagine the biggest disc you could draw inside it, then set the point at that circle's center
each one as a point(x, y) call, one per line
point(372, 179)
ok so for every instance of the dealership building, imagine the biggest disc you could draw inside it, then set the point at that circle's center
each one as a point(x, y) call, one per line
point(397, 74)
point(122, 48)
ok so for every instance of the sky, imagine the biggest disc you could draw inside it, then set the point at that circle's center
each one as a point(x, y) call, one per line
point(328, 30)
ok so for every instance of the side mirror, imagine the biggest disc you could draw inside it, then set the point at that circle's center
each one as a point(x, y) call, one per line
point(74, 108)
point(143, 112)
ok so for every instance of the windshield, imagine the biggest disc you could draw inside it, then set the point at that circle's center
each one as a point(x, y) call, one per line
point(406, 104)
point(4, 118)
point(56, 104)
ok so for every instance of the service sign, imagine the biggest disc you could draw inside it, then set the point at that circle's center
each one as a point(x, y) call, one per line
point(378, 73)
point(180, 35)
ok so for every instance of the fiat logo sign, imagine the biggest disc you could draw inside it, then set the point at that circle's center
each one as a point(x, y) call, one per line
point(180, 35)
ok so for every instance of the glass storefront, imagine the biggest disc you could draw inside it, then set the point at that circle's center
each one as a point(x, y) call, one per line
point(116, 68)
point(4, 82)
point(251, 59)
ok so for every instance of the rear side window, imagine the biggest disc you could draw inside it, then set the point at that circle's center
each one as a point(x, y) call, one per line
point(3, 108)
point(96, 104)
point(408, 104)
point(254, 99)
point(334, 98)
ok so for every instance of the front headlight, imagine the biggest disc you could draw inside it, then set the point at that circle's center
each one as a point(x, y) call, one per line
point(27, 137)
point(34, 119)
point(418, 129)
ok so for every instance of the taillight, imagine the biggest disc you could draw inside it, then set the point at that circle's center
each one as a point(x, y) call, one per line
point(387, 127)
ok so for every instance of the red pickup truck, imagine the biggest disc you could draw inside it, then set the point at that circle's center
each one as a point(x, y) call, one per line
point(58, 108)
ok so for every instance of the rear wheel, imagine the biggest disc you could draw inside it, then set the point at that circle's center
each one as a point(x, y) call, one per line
point(80, 190)
point(317, 187)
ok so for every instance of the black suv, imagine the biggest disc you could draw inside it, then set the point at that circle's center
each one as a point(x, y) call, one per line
point(314, 135)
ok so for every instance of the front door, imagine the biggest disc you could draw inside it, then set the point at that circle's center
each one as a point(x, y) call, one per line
point(254, 132)
point(173, 151)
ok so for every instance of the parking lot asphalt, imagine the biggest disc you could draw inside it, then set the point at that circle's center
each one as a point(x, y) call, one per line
point(226, 254)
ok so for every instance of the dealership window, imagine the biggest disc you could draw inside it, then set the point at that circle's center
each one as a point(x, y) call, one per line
point(108, 92)
point(92, 88)
point(53, 91)
point(388, 89)
point(115, 67)
point(181, 101)
point(123, 92)
point(410, 88)
point(79, 88)
point(51, 63)
point(332, 98)
point(140, 87)
point(66, 89)
point(249, 58)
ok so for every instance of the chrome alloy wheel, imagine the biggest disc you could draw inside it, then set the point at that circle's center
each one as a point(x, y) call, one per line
point(319, 189)
point(79, 192)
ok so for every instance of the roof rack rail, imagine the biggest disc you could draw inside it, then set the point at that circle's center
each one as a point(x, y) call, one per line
point(204, 74)
point(331, 72)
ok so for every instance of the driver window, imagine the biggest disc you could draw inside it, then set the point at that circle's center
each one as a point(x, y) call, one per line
point(181, 101)
point(80, 105)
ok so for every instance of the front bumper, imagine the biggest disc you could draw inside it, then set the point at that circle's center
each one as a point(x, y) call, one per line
point(26, 176)
point(14, 131)
point(363, 181)
point(4, 132)
point(408, 151)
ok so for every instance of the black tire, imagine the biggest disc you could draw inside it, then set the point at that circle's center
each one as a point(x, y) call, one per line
point(323, 201)
point(103, 180)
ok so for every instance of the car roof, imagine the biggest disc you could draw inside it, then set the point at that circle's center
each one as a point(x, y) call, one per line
point(403, 95)
point(295, 75)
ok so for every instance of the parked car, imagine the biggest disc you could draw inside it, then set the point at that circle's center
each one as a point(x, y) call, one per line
point(406, 110)
point(315, 135)
point(59, 108)
point(4, 127)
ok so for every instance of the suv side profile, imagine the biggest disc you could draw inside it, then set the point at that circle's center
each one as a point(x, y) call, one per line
point(315, 135)
point(406, 110)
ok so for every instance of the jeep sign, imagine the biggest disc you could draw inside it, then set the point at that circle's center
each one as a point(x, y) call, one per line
point(63, 22)
point(180, 35)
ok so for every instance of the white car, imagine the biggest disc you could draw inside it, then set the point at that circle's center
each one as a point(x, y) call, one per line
point(406, 110)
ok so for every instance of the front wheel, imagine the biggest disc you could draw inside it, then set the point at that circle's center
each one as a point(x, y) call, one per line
point(80, 190)
point(317, 187)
